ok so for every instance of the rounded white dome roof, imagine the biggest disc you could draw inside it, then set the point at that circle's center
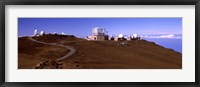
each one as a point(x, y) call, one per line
point(120, 35)
point(62, 33)
point(42, 32)
point(135, 35)
point(35, 30)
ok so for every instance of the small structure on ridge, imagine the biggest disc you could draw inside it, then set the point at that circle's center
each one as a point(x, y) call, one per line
point(98, 34)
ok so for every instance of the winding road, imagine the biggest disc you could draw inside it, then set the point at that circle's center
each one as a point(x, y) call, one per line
point(72, 50)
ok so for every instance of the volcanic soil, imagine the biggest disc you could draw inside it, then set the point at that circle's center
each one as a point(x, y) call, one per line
point(137, 54)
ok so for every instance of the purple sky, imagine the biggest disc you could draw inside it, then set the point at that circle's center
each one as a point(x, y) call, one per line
point(82, 27)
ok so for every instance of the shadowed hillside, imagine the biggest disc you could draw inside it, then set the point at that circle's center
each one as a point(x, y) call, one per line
point(138, 54)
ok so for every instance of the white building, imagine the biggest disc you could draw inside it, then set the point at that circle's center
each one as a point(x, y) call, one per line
point(134, 36)
point(120, 37)
point(62, 33)
point(42, 33)
point(98, 31)
point(36, 33)
point(99, 34)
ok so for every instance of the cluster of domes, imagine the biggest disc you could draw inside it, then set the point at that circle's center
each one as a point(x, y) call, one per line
point(36, 33)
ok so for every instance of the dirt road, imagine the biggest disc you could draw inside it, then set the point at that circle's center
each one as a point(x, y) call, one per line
point(72, 50)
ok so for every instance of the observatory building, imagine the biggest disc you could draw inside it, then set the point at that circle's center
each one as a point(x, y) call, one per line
point(36, 33)
point(120, 37)
point(42, 33)
point(98, 34)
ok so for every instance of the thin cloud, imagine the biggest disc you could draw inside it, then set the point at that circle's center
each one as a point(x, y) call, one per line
point(169, 36)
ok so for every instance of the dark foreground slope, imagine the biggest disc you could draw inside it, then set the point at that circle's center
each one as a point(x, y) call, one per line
point(138, 54)
point(31, 53)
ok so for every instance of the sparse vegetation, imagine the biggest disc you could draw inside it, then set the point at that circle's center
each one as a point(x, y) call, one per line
point(137, 54)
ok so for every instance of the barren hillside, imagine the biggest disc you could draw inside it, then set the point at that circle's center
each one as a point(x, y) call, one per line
point(138, 54)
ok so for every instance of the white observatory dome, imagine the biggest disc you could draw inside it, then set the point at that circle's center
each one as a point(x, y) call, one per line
point(42, 33)
point(63, 33)
point(120, 36)
point(135, 36)
point(35, 32)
